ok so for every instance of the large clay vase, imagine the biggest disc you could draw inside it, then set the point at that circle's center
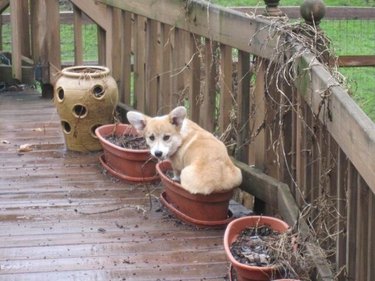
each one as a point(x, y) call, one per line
point(246, 272)
point(85, 98)
point(132, 165)
point(210, 210)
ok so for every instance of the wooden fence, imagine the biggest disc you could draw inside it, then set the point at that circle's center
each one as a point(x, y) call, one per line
point(247, 79)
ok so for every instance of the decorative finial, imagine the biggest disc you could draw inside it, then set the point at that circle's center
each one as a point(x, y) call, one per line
point(272, 9)
point(313, 11)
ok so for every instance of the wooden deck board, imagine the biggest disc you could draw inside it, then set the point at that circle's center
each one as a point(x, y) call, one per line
point(63, 218)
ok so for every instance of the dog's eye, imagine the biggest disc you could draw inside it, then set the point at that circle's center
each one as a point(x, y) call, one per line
point(152, 138)
point(166, 137)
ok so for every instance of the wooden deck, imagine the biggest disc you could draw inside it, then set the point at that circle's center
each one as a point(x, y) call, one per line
point(63, 218)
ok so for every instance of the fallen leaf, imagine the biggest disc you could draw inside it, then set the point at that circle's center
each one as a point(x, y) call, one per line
point(5, 142)
point(38, 130)
point(25, 147)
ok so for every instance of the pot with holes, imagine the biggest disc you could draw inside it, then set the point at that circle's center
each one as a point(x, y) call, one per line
point(129, 164)
point(85, 98)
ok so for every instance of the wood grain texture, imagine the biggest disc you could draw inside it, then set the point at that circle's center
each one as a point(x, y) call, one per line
point(63, 218)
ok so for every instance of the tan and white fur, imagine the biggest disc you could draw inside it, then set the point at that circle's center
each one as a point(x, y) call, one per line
point(200, 161)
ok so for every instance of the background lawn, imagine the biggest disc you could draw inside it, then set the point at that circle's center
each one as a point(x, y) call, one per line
point(348, 37)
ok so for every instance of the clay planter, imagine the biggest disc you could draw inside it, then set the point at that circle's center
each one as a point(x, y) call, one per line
point(133, 165)
point(246, 272)
point(85, 98)
point(201, 210)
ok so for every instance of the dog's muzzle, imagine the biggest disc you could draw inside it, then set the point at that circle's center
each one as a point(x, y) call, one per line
point(158, 154)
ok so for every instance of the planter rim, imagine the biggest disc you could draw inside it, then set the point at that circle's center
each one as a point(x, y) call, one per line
point(70, 71)
point(190, 220)
point(180, 188)
point(101, 136)
point(236, 263)
point(123, 176)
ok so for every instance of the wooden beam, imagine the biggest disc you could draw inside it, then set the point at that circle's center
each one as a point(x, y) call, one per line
point(214, 22)
point(258, 122)
point(96, 12)
point(226, 95)
point(356, 61)
point(3, 5)
point(102, 16)
point(351, 128)
point(46, 38)
point(16, 22)
point(332, 13)
point(78, 39)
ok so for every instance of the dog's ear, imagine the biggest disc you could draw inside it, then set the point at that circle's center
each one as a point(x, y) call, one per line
point(137, 119)
point(177, 116)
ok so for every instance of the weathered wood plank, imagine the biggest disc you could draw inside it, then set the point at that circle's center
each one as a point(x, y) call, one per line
point(153, 68)
point(116, 46)
point(243, 105)
point(353, 61)
point(101, 15)
point(17, 36)
point(62, 218)
point(139, 62)
point(226, 92)
point(126, 63)
point(45, 37)
point(166, 69)
point(208, 20)
point(207, 112)
point(259, 144)
point(78, 39)
point(331, 13)
point(193, 74)
point(3, 5)
point(353, 131)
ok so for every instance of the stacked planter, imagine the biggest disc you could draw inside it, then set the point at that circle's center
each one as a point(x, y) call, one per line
point(85, 98)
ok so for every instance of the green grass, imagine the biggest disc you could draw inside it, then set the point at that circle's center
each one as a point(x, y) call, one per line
point(348, 37)
point(90, 42)
point(355, 37)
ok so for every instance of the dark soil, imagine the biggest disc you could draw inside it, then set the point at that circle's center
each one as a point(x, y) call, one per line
point(252, 246)
point(128, 141)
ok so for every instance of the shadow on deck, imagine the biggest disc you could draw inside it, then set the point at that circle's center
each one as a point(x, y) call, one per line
point(63, 218)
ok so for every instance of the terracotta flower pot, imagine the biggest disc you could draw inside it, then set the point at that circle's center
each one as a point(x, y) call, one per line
point(201, 210)
point(134, 165)
point(286, 280)
point(246, 272)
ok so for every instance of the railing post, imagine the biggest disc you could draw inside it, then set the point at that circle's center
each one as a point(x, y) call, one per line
point(272, 9)
point(313, 11)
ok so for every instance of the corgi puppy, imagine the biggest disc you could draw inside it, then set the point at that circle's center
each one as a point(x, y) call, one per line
point(199, 160)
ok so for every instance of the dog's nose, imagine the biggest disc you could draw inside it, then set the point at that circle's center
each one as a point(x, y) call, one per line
point(158, 153)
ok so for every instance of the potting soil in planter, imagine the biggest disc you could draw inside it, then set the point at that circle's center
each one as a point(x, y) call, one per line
point(128, 141)
point(252, 246)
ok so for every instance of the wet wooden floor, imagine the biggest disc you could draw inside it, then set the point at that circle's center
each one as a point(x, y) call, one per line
point(63, 218)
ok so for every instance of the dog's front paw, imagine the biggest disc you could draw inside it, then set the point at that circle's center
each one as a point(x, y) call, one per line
point(176, 177)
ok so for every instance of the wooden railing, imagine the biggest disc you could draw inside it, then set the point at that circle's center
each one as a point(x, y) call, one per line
point(251, 82)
